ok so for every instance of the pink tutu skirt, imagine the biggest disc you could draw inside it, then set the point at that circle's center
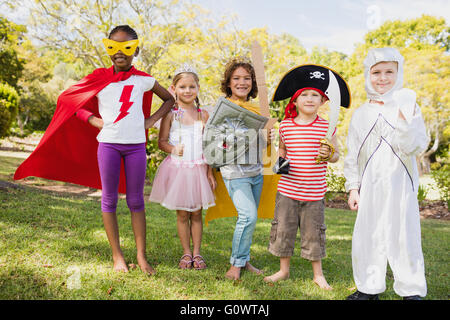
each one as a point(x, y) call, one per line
point(182, 185)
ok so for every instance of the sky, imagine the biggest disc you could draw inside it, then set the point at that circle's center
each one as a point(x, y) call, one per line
point(336, 25)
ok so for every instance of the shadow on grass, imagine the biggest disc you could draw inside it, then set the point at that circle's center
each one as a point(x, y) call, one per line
point(23, 283)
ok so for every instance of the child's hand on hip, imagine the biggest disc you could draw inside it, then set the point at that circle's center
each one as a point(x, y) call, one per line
point(96, 122)
point(149, 122)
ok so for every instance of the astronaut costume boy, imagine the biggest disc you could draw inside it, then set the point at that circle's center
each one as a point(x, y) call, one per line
point(381, 164)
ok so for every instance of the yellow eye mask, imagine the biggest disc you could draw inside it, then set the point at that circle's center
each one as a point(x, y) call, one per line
point(127, 47)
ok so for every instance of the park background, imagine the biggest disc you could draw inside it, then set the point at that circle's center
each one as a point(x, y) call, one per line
point(52, 241)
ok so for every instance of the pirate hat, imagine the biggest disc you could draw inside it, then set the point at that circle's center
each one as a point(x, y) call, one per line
point(310, 76)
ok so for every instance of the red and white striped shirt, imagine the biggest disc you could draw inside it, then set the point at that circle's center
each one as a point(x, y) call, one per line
point(306, 179)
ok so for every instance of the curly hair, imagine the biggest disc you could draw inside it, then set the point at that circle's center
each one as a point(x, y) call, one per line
point(230, 68)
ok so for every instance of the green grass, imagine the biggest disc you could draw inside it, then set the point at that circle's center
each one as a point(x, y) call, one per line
point(46, 238)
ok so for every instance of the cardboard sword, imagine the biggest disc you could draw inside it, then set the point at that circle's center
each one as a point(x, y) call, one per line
point(258, 64)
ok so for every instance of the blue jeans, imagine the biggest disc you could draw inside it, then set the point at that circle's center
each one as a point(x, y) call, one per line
point(245, 194)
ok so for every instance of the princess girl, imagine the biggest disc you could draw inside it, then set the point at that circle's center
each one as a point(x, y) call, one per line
point(184, 182)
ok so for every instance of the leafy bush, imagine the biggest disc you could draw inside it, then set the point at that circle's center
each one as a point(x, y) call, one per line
point(422, 194)
point(154, 154)
point(435, 166)
point(442, 178)
point(9, 102)
point(335, 182)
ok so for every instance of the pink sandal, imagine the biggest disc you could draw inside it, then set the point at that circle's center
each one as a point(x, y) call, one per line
point(184, 263)
point(199, 263)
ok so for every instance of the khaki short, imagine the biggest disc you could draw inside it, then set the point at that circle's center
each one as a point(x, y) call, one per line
point(290, 215)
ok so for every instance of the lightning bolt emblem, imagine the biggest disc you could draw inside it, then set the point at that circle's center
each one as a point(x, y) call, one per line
point(126, 103)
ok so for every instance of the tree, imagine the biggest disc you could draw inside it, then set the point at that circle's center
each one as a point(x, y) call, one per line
point(170, 34)
point(428, 73)
point(211, 43)
point(78, 26)
point(413, 33)
point(9, 100)
point(36, 107)
point(11, 65)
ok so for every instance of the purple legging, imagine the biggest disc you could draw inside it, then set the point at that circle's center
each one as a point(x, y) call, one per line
point(135, 162)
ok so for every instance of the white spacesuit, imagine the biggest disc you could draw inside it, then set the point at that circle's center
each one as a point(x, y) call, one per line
point(381, 164)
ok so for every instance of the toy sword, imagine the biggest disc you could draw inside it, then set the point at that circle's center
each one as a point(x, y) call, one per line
point(334, 95)
point(258, 64)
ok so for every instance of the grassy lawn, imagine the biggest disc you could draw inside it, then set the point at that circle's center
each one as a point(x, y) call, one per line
point(48, 239)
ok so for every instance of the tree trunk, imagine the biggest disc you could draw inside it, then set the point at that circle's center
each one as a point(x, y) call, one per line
point(423, 165)
point(22, 123)
point(424, 157)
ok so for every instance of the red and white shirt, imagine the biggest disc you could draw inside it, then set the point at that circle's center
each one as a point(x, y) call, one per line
point(306, 179)
point(120, 106)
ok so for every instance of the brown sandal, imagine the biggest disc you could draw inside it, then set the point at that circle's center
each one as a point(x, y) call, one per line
point(185, 263)
point(199, 263)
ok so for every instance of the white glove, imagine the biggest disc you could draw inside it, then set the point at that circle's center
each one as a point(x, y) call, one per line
point(406, 100)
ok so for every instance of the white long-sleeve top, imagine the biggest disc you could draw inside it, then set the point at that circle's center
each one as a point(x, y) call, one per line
point(377, 134)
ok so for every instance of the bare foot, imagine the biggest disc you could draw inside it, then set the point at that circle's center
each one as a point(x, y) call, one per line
point(280, 275)
point(234, 273)
point(119, 264)
point(145, 266)
point(251, 268)
point(322, 283)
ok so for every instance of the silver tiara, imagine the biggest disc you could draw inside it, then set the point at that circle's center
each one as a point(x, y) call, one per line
point(185, 68)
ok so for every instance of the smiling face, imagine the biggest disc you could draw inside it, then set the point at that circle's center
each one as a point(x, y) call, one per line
point(186, 89)
point(308, 102)
point(383, 76)
point(240, 84)
point(121, 61)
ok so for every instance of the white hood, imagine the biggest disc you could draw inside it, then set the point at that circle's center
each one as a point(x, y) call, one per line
point(375, 56)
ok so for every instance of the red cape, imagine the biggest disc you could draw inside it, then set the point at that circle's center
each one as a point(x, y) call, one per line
point(68, 150)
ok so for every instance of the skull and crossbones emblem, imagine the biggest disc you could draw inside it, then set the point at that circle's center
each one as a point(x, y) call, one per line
point(317, 75)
